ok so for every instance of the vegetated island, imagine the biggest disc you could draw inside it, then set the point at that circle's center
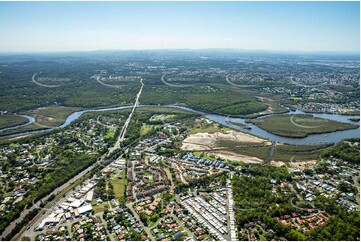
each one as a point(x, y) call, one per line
point(354, 119)
point(7, 121)
point(300, 125)
point(239, 125)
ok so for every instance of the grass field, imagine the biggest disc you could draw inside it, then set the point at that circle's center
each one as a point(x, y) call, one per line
point(204, 127)
point(164, 117)
point(119, 185)
point(246, 148)
point(110, 134)
point(262, 238)
point(146, 129)
point(298, 152)
point(163, 110)
point(11, 120)
point(299, 126)
point(284, 153)
point(53, 115)
point(98, 208)
point(197, 153)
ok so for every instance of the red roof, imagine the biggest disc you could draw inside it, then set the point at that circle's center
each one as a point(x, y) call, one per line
point(301, 221)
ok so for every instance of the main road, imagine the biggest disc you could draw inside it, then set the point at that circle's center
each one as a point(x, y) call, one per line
point(125, 126)
point(58, 190)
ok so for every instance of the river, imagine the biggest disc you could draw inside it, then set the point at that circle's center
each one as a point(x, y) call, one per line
point(332, 137)
point(30, 121)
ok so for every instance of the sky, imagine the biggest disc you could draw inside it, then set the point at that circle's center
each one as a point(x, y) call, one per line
point(88, 26)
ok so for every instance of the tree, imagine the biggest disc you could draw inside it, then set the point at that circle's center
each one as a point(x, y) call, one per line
point(295, 235)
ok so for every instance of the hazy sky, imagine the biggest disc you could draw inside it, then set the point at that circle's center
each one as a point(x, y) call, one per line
point(68, 26)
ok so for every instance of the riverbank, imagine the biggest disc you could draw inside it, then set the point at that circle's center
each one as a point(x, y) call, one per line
point(299, 125)
point(10, 121)
point(333, 137)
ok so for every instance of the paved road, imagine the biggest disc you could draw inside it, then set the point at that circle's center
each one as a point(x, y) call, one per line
point(135, 214)
point(65, 185)
point(236, 85)
point(125, 126)
point(172, 85)
point(179, 222)
point(40, 84)
point(36, 205)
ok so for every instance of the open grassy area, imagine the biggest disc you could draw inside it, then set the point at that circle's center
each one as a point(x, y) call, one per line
point(298, 152)
point(98, 208)
point(110, 134)
point(146, 129)
point(299, 126)
point(197, 153)
point(203, 126)
point(262, 238)
point(119, 185)
point(53, 115)
point(163, 110)
point(11, 120)
point(246, 148)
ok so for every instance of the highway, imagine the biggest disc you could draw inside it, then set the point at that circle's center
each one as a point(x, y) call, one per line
point(125, 126)
point(65, 185)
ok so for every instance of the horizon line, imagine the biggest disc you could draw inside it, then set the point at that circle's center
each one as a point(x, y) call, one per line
point(184, 49)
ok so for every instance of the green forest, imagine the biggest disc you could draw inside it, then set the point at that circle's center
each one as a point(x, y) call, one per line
point(345, 151)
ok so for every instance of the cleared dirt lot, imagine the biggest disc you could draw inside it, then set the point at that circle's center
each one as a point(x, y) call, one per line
point(295, 164)
point(277, 163)
point(208, 142)
point(232, 156)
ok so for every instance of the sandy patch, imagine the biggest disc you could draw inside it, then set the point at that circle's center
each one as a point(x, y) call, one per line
point(303, 164)
point(192, 146)
point(206, 141)
point(277, 163)
point(229, 155)
point(347, 110)
point(19, 137)
point(265, 101)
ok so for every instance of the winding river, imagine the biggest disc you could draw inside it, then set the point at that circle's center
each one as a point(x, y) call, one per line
point(30, 121)
point(332, 137)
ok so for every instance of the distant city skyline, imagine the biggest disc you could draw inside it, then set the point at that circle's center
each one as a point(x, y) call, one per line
point(90, 26)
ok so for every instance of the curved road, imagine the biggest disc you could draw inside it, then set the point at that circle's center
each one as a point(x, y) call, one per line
point(236, 85)
point(172, 85)
point(40, 84)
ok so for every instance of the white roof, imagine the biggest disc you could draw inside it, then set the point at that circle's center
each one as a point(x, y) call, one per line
point(77, 203)
point(89, 195)
point(48, 220)
point(85, 208)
